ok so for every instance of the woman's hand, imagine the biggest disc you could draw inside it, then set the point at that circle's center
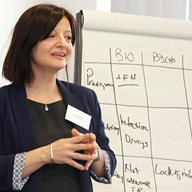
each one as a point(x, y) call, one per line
point(80, 147)
point(68, 150)
point(91, 152)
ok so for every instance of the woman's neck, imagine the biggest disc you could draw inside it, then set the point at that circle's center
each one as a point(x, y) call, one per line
point(43, 91)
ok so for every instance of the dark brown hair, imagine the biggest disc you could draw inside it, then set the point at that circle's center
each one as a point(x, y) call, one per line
point(34, 25)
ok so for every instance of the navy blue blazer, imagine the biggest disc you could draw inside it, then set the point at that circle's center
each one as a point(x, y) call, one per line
point(17, 133)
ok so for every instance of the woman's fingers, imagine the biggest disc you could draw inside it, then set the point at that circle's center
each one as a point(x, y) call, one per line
point(74, 132)
point(82, 146)
point(88, 164)
point(75, 164)
point(87, 138)
point(73, 150)
point(80, 138)
point(80, 155)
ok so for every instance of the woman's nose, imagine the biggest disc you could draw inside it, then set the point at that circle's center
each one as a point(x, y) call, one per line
point(61, 42)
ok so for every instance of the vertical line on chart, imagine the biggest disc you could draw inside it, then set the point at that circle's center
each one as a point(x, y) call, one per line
point(117, 119)
point(148, 121)
point(187, 102)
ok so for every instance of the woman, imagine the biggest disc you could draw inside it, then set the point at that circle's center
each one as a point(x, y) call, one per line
point(40, 150)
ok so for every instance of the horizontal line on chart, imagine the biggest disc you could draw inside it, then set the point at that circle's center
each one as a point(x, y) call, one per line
point(128, 85)
point(137, 64)
point(155, 158)
point(142, 106)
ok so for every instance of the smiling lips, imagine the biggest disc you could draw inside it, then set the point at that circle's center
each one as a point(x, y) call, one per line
point(58, 54)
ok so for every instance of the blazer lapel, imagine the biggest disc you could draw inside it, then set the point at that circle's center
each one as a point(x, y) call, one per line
point(22, 115)
point(70, 99)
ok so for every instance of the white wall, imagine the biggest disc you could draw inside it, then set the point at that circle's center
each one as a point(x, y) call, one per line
point(10, 11)
point(158, 8)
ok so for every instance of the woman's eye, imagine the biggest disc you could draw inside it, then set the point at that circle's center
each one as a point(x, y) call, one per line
point(68, 38)
point(51, 36)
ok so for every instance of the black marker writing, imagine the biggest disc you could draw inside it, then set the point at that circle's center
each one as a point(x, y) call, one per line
point(124, 55)
point(134, 125)
point(91, 82)
point(131, 140)
point(157, 57)
point(112, 127)
point(168, 171)
point(130, 168)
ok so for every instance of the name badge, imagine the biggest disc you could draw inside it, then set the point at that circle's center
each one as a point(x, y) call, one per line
point(78, 117)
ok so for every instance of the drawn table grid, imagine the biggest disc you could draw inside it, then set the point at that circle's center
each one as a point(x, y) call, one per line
point(153, 111)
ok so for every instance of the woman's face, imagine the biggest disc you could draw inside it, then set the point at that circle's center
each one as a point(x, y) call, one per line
point(52, 53)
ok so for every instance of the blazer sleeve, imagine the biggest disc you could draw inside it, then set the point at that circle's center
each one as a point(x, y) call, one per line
point(6, 158)
point(101, 138)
